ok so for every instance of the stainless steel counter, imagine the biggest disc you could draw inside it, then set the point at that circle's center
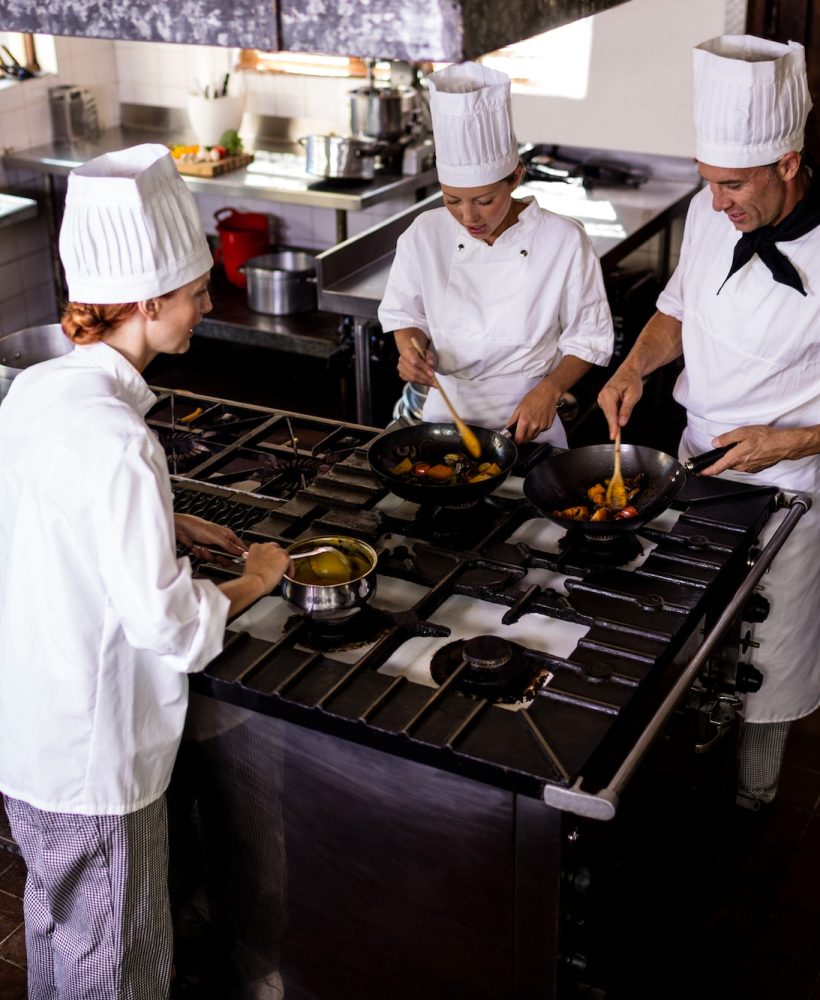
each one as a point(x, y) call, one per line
point(277, 174)
point(14, 209)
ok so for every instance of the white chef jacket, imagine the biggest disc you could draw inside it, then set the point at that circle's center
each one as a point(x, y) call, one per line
point(752, 356)
point(99, 620)
point(500, 317)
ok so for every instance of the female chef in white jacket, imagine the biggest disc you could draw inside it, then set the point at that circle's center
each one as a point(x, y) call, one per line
point(99, 619)
point(507, 298)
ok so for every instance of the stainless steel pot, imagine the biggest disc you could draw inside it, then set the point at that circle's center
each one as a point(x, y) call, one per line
point(281, 283)
point(331, 601)
point(337, 156)
point(381, 112)
point(28, 347)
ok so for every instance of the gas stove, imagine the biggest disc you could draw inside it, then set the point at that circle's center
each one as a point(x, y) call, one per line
point(437, 764)
point(585, 639)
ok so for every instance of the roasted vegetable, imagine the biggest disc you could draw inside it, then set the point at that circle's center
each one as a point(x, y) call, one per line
point(404, 466)
point(573, 513)
point(440, 473)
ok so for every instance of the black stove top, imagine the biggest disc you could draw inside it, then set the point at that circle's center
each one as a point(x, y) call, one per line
point(483, 703)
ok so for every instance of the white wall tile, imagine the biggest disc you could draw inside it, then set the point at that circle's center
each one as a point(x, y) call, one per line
point(35, 270)
point(13, 130)
point(13, 313)
point(8, 249)
point(41, 305)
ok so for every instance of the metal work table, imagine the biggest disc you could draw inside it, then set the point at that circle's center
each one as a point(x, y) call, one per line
point(352, 276)
point(277, 174)
point(311, 334)
point(14, 209)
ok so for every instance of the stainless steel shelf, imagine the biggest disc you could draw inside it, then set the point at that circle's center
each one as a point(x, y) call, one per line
point(14, 209)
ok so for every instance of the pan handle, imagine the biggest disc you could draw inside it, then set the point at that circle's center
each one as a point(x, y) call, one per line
point(697, 463)
point(509, 432)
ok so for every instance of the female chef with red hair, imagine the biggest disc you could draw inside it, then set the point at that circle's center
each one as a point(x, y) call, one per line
point(100, 621)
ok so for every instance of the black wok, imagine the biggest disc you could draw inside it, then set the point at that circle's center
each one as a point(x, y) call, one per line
point(562, 481)
point(430, 443)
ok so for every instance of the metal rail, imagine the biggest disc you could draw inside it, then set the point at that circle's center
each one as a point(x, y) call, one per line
point(604, 803)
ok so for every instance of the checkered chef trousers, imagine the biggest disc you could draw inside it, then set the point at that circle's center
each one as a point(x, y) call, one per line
point(97, 917)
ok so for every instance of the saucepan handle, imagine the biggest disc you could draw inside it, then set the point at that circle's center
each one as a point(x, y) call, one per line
point(697, 463)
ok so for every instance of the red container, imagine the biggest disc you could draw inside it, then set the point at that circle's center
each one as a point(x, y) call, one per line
point(242, 235)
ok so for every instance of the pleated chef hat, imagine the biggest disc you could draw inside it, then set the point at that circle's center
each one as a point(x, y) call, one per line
point(131, 229)
point(472, 125)
point(751, 100)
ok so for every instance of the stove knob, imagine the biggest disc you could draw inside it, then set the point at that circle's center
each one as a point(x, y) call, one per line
point(756, 609)
point(748, 678)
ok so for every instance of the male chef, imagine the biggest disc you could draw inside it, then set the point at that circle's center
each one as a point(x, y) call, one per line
point(743, 310)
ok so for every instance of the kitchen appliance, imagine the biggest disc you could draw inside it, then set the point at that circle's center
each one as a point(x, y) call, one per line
point(73, 113)
point(448, 755)
point(242, 235)
point(28, 347)
point(282, 283)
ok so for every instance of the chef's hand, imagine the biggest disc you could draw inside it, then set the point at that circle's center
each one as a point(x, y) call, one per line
point(536, 411)
point(269, 562)
point(413, 369)
point(758, 447)
point(618, 398)
point(202, 536)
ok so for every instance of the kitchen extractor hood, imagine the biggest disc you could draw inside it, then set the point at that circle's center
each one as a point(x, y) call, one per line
point(249, 24)
point(415, 30)
point(418, 30)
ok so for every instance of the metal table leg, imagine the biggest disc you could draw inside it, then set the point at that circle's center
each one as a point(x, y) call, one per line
point(361, 344)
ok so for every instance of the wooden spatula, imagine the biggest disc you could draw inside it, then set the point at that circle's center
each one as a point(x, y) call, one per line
point(468, 436)
point(616, 496)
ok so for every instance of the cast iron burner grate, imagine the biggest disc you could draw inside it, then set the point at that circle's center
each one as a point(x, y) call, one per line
point(488, 667)
point(184, 450)
point(595, 552)
point(457, 528)
point(364, 627)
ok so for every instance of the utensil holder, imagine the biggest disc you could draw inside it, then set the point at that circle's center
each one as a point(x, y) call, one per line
point(210, 117)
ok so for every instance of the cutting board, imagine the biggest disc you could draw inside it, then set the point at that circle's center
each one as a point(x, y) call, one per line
point(213, 168)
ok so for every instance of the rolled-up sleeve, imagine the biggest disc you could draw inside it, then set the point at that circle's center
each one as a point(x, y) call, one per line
point(585, 318)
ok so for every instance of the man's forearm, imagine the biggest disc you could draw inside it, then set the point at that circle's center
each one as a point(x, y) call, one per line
point(660, 342)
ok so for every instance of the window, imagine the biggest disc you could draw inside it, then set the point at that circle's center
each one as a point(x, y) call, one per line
point(555, 63)
point(302, 64)
point(18, 53)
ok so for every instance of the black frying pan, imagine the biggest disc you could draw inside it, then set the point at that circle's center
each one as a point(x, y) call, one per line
point(430, 443)
point(562, 481)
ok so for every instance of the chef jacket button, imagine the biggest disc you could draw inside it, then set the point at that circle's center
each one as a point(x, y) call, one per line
point(523, 253)
point(461, 246)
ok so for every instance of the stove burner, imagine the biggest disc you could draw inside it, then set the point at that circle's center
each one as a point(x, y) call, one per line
point(600, 550)
point(362, 628)
point(490, 667)
point(184, 449)
point(487, 656)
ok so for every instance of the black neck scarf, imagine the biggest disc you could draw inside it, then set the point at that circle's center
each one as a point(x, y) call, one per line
point(804, 217)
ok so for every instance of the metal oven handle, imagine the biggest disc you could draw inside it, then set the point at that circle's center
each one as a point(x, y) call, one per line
point(603, 804)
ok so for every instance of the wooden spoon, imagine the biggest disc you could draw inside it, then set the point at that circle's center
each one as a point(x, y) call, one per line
point(616, 496)
point(468, 436)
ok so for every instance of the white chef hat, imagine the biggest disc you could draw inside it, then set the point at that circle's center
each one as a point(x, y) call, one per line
point(472, 125)
point(751, 99)
point(131, 229)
